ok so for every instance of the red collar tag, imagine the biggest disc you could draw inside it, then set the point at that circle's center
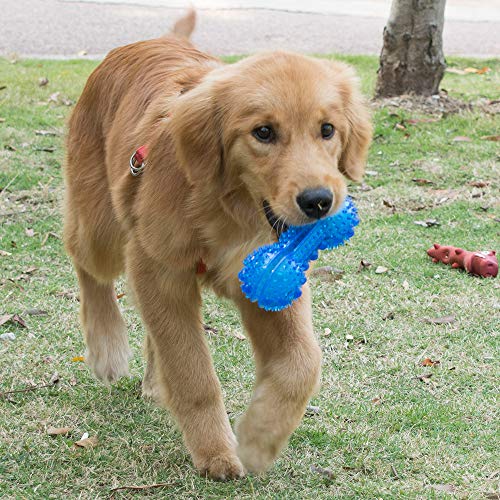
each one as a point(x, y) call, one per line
point(138, 161)
point(201, 267)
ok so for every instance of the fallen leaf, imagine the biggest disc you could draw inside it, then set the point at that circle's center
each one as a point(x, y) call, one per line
point(120, 296)
point(427, 223)
point(43, 81)
point(349, 337)
point(239, 335)
point(389, 315)
point(3, 87)
point(364, 187)
point(425, 378)
point(20, 321)
point(54, 379)
point(2, 120)
point(312, 410)
point(376, 401)
point(9, 147)
point(210, 329)
point(77, 359)
point(477, 71)
point(35, 312)
point(462, 138)
point(29, 233)
point(447, 488)
point(389, 204)
point(399, 126)
point(479, 184)
point(429, 362)
point(327, 332)
point(495, 138)
point(5, 318)
point(443, 320)
point(58, 431)
point(47, 149)
point(381, 270)
point(363, 264)
point(323, 472)
point(88, 442)
point(3, 253)
point(54, 97)
point(46, 133)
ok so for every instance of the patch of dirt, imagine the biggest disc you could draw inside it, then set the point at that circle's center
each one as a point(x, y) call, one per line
point(439, 104)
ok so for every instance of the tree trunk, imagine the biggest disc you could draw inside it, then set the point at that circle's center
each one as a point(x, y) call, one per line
point(412, 58)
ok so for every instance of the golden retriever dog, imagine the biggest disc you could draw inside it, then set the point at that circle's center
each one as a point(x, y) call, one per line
point(235, 152)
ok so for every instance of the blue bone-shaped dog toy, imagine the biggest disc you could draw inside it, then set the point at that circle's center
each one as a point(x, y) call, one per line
point(273, 275)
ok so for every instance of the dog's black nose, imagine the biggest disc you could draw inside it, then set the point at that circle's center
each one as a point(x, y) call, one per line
point(315, 203)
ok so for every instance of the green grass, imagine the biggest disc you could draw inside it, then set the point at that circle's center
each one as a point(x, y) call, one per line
point(418, 435)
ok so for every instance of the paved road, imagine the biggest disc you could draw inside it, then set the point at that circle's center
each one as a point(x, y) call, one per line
point(64, 28)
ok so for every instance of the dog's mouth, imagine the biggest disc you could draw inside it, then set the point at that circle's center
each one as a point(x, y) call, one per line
point(275, 222)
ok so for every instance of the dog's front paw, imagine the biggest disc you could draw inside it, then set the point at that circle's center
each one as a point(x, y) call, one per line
point(221, 467)
point(150, 390)
point(110, 363)
point(255, 457)
point(256, 448)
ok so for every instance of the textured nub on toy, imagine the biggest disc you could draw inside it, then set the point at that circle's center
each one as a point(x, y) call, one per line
point(273, 275)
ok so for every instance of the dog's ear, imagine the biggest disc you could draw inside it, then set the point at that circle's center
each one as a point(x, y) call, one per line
point(196, 131)
point(358, 134)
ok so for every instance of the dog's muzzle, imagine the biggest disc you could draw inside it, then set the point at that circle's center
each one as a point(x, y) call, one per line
point(275, 222)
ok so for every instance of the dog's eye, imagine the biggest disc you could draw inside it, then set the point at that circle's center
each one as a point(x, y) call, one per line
point(327, 130)
point(263, 134)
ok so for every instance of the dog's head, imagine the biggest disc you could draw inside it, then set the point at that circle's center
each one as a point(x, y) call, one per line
point(281, 130)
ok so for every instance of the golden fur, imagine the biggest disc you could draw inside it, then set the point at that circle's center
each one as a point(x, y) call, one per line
point(200, 197)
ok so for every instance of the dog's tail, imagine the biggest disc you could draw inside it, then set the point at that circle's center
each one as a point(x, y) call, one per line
point(184, 27)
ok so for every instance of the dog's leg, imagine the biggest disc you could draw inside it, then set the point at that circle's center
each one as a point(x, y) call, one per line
point(104, 329)
point(288, 361)
point(170, 303)
point(150, 387)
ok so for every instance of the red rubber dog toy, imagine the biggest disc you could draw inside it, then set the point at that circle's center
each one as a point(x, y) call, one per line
point(482, 264)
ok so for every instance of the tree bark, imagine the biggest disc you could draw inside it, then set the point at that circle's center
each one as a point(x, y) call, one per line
point(412, 59)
